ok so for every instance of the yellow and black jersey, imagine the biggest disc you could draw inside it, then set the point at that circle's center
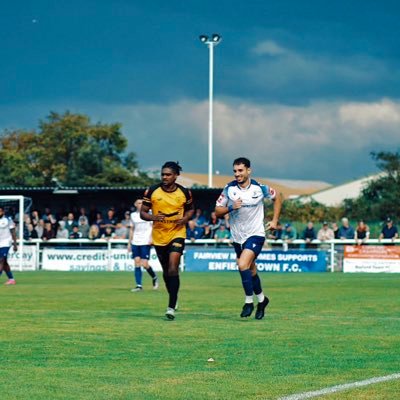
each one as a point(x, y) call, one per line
point(173, 205)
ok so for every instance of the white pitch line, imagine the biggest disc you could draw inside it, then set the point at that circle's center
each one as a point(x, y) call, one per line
point(340, 388)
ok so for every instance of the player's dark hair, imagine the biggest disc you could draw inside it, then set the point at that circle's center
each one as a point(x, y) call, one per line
point(174, 166)
point(242, 160)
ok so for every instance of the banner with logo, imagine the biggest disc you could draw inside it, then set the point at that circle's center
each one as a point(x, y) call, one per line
point(29, 259)
point(267, 261)
point(371, 259)
point(81, 260)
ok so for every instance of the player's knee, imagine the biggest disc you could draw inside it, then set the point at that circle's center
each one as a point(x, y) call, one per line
point(243, 266)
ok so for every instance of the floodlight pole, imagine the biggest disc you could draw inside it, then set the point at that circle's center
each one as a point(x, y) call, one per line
point(211, 43)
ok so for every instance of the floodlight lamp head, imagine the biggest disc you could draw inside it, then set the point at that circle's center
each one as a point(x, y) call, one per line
point(203, 38)
point(216, 38)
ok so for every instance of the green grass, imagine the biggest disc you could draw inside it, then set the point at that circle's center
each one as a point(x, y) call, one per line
point(86, 336)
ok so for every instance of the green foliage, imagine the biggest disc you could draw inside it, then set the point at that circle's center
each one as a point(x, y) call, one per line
point(69, 148)
point(379, 199)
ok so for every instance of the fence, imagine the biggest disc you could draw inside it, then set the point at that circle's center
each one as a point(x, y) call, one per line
point(208, 255)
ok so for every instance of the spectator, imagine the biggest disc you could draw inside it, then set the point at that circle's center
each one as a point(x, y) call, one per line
point(200, 219)
point(49, 217)
point(32, 232)
point(75, 234)
point(110, 221)
point(389, 231)
point(289, 233)
point(222, 234)
point(108, 233)
point(193, 232)
point(325, 233)
point(362, 232)
point(335, 229)
point(48, 232)
point(121, 231)
point(276, 234)
point(62, 231)
point(346, 231)
point(212, 227)
point(94, 232)
point(35, 218)
point(40, 228)
point(70, 223)
point(127, 222)
point(309, 234)
point(98, 220)
point(84, 227)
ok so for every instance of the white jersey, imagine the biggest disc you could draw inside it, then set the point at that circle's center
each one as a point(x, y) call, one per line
point(249, 219)
point(5, 235)
point(141, 230)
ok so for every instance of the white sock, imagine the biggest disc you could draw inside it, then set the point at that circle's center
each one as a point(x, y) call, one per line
point(260, 297)
point(249, 299)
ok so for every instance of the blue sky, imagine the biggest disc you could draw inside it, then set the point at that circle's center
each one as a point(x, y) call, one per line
point(305, 89)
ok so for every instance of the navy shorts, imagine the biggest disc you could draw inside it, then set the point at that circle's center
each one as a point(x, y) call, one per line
point(253, 243)
point(143, 252)
point(4, 252)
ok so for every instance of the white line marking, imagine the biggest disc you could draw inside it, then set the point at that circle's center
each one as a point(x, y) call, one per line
point(340, 388)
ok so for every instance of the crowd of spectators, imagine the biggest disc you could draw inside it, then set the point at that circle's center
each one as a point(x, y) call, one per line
point(111, 224)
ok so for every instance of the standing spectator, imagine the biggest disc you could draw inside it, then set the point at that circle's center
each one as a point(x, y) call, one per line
point(127, 220)
point(172, 208)
point(110, 221)
point(389, 231)
point(75, 234)
point(49, 217)
point(121, 231)
point(362, 232)
point(108, 233)
point(309, 234)
point(83, 226)
point(325, 233)
point(40, 228)
point(346, 231)
point(200, 219)
point(335, 229)
point(70, 223)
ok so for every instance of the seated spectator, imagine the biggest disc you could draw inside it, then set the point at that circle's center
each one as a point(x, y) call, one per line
point(362, 232)
point(127, 222)
point(346, 231)
point(75, 234)
point(121, 231)
point(194, 232)
point(289, 233)
point(389, 230)
point(325, 233)
point(213, 225)
point(276, 234)
point(94, 232)
point(84, 227)
point(62, 231)
point(48, 232)
point(222, 234)
point(108, 233)
point(32, 232)
point(309, 233)
point(40, 228)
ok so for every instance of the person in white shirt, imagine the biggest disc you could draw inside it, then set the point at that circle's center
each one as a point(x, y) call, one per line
point(243, 199)
point(7, 238)
point(140, 244)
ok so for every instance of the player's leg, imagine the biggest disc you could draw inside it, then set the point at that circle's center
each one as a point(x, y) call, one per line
point(262, 299)
point(145, 256)
point(244, 263)
point(163, 257)
point(138, 268)
point(4, 266)
point(176, 248)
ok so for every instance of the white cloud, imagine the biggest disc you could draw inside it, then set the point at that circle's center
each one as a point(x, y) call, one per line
point(269, 47)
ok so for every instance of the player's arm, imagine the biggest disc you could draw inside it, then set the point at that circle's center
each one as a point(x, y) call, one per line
point(277, 202)
point(131, 229)
point(223, 207)
point(188, 208)
point(14, 239)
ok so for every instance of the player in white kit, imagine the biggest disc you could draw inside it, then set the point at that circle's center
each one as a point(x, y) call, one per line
point(140, 243)
point(243, 199)
point(7, 238)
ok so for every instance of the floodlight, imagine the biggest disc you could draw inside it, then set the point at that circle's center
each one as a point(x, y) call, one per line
point(216, 37)
point(203, 38)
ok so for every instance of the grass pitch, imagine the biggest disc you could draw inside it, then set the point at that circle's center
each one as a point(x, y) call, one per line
point(86, 336)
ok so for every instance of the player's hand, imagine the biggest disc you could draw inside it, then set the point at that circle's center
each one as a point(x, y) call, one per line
point(237, 204)
point(159, 217)
point(181, 221)
point(15, 247)
point(272, 225)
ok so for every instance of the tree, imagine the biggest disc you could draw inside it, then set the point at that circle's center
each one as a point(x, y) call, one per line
point(380, 198)
point(71, 150)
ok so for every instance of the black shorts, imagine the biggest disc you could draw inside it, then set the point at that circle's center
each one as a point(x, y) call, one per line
point(176, 245)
